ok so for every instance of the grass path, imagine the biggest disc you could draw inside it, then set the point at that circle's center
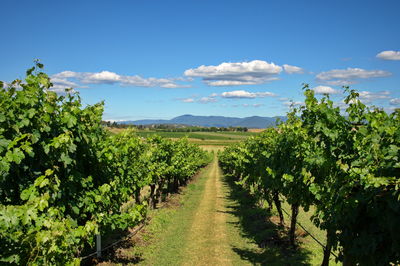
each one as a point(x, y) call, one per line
point(212, 222)
point(196, 228)
point(207, 241)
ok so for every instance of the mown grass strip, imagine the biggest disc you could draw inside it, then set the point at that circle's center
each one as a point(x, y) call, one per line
point(163, 240)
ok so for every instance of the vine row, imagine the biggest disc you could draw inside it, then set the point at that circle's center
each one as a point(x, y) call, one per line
point(343, 161)
point(64, 179)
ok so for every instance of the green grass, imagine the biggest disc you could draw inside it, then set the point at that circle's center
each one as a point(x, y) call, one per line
point(213, 142)
point(304, 218)
point(252, 233)
point(236, 133)
point(199, 135)
point(164, 237)
point(228, 135)
point(255, 225)
point(223, 138)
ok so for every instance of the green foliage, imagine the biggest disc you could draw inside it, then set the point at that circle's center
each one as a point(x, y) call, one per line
point(63, 179)
point(347, 166)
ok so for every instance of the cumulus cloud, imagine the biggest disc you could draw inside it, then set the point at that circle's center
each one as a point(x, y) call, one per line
point(68, 78)
point(293, 103)
point(241, 94)
point(255, 105)
point(103, 77)
point(389, 55)
point(209, 99)
point(324, 90)
point(187, 100)
point(234, 74)
point(395, 101)
point(59, 83)
point(293, 69)
point(368, 97)
point(196, 99)
point(342, 105)
point(66, 74)
point(62, 91)
point(349, 76)
point(238, 94)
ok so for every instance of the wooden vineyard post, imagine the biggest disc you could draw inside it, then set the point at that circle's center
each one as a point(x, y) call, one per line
point(98, 245)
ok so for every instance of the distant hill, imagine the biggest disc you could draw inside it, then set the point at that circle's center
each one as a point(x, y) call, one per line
point(213, 121)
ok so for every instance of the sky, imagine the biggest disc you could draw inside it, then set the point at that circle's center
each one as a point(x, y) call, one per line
point(161, 59)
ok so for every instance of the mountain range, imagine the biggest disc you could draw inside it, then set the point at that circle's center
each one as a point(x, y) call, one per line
point(213, 121)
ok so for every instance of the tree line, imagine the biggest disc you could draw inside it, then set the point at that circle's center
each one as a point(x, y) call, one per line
point(173, 127)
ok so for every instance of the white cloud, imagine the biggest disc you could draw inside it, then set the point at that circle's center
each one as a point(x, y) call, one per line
point(107, 77)
point(324, 89)
point(390, 109)
point(365, 97)
point(209, 99)
point(294, 103)
point(349, 76)
point(66, 74)
point(103, 77)
point(59, 86)
point(293, 69)
point(342, 105)
point(389, 55)
point(234, 74)
point(60, 83)
point(395, 101)
point(172, 85)
point(238, 94)
point(368, 97)
point(249, 81)
point(255, 105)
point(187, 100)
point(196, 99)
point(245, 94)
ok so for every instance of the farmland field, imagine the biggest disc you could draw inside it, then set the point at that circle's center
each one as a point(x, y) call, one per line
point(222, 138)
point(199, 135)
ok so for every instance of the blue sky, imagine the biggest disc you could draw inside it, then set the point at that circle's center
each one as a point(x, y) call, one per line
point(161, 59)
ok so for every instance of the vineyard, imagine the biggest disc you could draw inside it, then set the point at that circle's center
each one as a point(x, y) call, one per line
point(346, 166)
point(64, 179)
